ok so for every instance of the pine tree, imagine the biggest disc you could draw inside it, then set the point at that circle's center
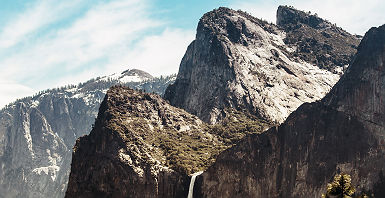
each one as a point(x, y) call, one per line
point(341, 187)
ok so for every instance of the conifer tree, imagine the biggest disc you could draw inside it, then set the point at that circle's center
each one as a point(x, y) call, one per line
point(341, 187)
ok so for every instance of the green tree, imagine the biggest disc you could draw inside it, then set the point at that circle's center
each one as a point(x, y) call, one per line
point(341, 187)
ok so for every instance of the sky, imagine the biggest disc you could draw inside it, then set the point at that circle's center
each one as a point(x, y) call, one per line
point(51, 43)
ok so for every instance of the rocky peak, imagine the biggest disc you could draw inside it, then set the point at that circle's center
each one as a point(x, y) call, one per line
point(342, 133)
point(136, 72)
point(237, 26)
point(287, 15)
point(239, 61)
point(148, 146)
point(316, 40)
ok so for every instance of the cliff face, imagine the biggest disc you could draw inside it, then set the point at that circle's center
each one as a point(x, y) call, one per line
point(106, 164)
point(238, 61)
point(342, 133)
point(140, 146)
point(29, 155)
point(37, 133)
point(316, 41)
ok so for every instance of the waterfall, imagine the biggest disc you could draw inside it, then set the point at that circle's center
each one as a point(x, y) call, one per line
point(191, 188)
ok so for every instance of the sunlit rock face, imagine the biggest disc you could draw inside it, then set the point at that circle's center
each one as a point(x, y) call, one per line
point(126, 153)
point(344, 132)
point(37, 133)
point(242, 62)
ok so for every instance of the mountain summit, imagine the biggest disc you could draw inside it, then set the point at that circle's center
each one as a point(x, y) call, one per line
point(316, 40)
point(239, 61)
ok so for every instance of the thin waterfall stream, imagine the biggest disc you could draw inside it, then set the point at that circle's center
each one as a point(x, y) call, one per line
point(191, 188)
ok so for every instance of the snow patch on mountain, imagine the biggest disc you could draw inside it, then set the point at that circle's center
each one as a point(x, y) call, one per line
point(38, 132)
point(48, 170)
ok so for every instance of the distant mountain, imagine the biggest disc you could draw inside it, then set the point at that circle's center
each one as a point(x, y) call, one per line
point(239, 61)
point(342, 133)
point(37, 133)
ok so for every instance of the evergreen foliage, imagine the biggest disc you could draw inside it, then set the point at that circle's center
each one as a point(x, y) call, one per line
point(341, 187)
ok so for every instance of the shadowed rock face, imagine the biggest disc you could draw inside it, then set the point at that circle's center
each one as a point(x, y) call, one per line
point(361, 91)
point(342, 133)
point(238, 61)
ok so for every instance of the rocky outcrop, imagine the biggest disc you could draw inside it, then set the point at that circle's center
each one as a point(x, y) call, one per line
point(316, 40)
point(37, 133)
point(140, 146)
point(342, 133)
point(238, 61)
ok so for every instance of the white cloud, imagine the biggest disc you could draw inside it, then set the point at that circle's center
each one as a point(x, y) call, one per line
point(355, 16)
point(77, 77)
point(39, 15)
point(157, 54)
point(94, 36)
point(10, 91)
point(106, 38)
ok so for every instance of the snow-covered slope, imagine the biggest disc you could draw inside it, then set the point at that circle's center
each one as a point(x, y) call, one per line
point(37, 133)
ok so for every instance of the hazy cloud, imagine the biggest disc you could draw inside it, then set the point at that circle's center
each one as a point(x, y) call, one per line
point(11, 91)
point(157, 54)
point(109, 37)
point(37, 16)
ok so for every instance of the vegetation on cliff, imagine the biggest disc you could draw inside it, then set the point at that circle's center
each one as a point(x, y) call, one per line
point(177, 139)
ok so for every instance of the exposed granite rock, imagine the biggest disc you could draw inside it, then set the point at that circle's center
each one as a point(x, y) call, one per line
point(37, 133)
point(344, 132)
point(316, 40)
point(238, 61)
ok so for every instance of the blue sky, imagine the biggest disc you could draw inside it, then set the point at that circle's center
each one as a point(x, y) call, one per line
point(51, 43)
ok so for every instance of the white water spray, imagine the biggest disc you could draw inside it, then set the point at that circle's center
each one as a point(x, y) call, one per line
point(191, 188)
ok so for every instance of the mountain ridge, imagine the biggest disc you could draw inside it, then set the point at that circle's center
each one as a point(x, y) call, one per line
point(317, 40)
point(239, 61)
point(38, 132)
